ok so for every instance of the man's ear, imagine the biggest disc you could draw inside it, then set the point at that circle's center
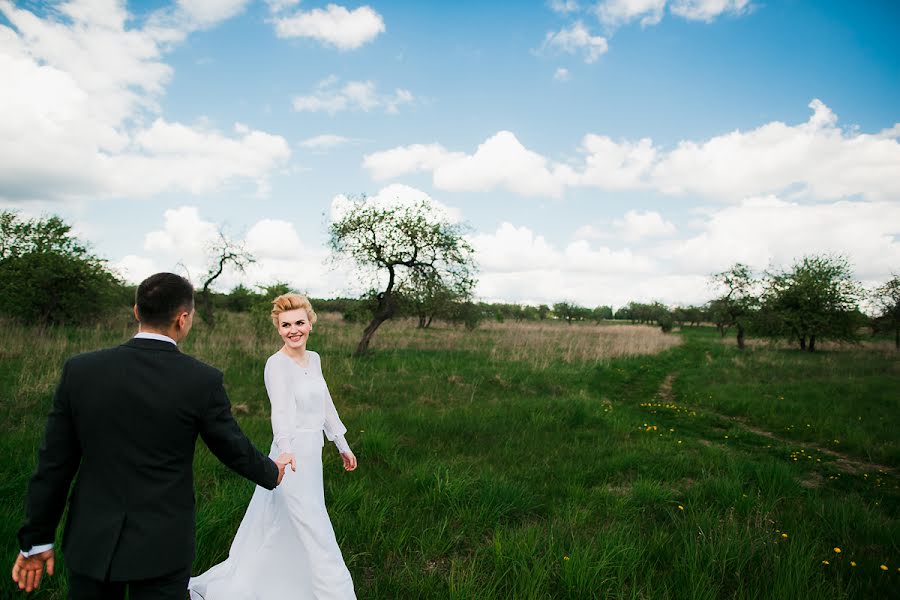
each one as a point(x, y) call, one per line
point(136, 314)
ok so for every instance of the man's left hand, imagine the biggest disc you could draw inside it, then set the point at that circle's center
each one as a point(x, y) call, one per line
point(27, 572)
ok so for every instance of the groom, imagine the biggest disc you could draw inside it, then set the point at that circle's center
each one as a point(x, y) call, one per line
point(126, 420)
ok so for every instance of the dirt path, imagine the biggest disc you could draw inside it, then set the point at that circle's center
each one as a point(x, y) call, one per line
point(843, 462)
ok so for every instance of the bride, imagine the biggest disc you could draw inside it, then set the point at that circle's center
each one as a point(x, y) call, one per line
point(285, 547)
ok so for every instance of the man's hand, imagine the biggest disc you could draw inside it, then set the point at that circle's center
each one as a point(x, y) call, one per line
point(283, 461)
point(27, 571)
point(349, 461)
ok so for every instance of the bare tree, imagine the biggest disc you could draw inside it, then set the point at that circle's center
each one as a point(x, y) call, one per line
point(222, 252)
point(404, 244)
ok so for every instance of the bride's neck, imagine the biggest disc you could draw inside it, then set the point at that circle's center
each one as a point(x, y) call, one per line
point(295, 353)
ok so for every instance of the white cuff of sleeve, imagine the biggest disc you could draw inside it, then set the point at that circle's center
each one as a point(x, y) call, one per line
point(36, 550)
point(342, 445)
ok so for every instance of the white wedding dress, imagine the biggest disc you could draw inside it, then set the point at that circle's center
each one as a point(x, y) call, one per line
point(285, 548)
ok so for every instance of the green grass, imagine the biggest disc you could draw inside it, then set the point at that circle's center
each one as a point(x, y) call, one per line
point(486, 477)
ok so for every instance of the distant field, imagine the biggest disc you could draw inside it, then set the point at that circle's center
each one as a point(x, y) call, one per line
point(554, 461)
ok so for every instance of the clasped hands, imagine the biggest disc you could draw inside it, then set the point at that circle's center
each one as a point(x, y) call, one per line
point(285, 459)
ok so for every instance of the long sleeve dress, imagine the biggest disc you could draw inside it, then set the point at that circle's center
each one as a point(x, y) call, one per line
point(285, 547)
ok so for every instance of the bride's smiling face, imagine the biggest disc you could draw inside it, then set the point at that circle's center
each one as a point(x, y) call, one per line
point(294, 327)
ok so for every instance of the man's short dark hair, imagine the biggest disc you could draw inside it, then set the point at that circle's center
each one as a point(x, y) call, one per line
point(161, 297)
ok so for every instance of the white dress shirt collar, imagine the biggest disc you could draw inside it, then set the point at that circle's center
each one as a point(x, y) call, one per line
point(146, 335)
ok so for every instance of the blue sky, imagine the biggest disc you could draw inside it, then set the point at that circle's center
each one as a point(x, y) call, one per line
point(600, 151)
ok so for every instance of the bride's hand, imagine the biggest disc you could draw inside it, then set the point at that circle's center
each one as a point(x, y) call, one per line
point(349, 461)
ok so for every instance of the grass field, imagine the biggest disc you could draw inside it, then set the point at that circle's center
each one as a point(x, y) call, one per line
point(554, 461)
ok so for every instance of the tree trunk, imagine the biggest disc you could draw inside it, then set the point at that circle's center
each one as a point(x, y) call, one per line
point(740, 336)
point(384, 311)
point(422, 324)
point(721, 330)
point(897, 338)
point(206, 309)
point(812, 343)
point(802, 343)
point(428, 322)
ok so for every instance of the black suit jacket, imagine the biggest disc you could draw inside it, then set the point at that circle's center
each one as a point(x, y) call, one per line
point(126, 419)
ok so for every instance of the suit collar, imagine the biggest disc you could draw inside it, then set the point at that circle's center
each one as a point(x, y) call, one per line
point(149, 344)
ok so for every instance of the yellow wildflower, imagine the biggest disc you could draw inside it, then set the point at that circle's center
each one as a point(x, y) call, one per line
point(837, 550)
point(852, 563)
point(784, 535)
point(825, 562)
point(884, 567)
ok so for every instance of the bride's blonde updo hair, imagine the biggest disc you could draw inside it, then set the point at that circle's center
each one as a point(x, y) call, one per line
point(286, 302)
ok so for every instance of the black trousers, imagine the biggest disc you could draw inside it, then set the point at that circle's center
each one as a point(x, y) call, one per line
point(172, 586)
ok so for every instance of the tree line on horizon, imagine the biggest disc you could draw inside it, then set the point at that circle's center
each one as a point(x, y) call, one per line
point(50, 277)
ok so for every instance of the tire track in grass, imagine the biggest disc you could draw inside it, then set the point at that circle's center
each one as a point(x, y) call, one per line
point(843, 462)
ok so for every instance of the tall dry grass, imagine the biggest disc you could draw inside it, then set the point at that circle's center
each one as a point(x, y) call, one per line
point(539, 345)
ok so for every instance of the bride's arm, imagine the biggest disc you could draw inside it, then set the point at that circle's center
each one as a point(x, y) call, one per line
point(283, 407)
point(334, 428)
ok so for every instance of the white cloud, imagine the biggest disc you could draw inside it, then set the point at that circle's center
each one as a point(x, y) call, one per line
point(407, 159)
point(326, 141)
point(273, 239)
point(561, 74)
point(520, 265)
point(331, 98)
point(637, 225)
point(576, 40)
point(79, 86)
point(335, 25)
point(815, 159)
point(766, 231)
point(206, 13)
point(277, 6)
point(614, 13)
point(615, 165)
point(135, 268)
point(708, 10)
point(501, 161)
point(184, 233)
point(563, 7)
point(396, 195)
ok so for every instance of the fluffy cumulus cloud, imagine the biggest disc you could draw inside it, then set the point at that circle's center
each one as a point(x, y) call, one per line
point(334, 25)
point(815, 159)
point(638, 225)
point(768, 231)
point(501, 161)
point(206, 13)
point(576, 39)
point(518, 264)
point(626, 261)
point(331, 97)
point(80, 86)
